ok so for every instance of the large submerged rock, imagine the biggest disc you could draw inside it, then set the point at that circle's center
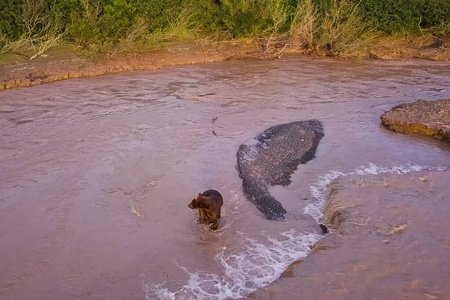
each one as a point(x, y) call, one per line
point(423, 117)
point(271, 158)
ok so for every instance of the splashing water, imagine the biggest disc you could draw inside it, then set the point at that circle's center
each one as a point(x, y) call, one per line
point(319, 189)
point(244, 272)
point(262, 263)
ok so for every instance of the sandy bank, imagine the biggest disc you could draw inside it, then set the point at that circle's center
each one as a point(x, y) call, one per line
point(65, 63)
point(389, 241)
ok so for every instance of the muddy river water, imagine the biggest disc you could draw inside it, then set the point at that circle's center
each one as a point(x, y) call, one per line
point(96, 174)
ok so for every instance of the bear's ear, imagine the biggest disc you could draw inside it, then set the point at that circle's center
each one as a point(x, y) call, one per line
point(200, 194)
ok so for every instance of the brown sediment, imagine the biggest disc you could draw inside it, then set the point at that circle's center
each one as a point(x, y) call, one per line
point(423, 117)
point(389, 240)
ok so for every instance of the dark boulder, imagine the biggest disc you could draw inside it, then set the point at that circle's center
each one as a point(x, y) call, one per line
point(271, 158)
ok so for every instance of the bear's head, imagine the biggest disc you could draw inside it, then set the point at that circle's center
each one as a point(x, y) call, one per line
point(198, 202)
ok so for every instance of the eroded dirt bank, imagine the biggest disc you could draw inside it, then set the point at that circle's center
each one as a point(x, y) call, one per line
point(422, 117)
point(389, 242)
point(64, 63)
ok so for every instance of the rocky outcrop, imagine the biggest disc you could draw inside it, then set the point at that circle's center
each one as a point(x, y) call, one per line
point(271, 158)
point(423, 117)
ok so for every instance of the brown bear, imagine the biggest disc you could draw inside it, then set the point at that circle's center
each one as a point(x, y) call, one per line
point(208, 204)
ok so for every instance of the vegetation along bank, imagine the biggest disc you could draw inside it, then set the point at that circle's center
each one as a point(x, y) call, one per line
point(344, 27)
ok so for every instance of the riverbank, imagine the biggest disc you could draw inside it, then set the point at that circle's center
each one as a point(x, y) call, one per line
point(65, 62)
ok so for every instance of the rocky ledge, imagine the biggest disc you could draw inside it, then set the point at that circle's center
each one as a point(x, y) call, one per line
point(389, 240)
point(422, 117)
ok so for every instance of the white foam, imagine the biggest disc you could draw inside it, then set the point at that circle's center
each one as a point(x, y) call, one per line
point(243, 272)
point(160, 292)
point(319, 189)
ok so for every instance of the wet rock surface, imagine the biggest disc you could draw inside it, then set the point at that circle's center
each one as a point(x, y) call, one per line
point(271, 158)
point(388, 241)
point(422, 117)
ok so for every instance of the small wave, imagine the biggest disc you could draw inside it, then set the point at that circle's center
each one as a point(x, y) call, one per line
point(319, 189)
point(244, 272)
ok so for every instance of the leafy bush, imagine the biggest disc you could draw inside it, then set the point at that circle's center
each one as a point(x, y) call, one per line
point(405, 15)
point(11, 26)
point(158, 13)
point(240, 17)
point(117, 20)
point(248, 17)
point(435, 13)
point(102, 27)
point(205, 14)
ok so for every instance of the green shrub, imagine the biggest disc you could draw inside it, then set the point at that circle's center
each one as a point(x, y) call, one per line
point(101, 27)
point(63, 10)
point(158, 13)
point(11, 26)
point(243, 18)
point(435, 13)
point(342, 29)
point(240, 17)
point(405, 15)
point(205, 14)
point(117, 20)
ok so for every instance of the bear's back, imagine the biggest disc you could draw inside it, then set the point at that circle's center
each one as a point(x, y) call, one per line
point(212, 193)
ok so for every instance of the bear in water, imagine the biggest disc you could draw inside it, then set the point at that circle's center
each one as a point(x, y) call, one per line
point(208, 204)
